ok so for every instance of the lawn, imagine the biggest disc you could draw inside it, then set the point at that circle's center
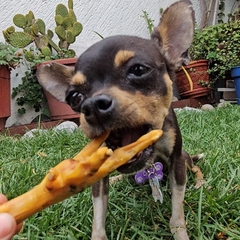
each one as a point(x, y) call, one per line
point(212, 212)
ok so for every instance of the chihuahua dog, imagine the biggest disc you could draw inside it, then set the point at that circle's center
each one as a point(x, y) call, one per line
point(123, 84)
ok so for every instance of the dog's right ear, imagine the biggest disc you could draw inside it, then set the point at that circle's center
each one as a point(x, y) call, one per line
point(175, 31)
point(55, 78)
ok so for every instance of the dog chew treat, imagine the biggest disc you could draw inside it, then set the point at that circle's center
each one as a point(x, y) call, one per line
point(72, 176)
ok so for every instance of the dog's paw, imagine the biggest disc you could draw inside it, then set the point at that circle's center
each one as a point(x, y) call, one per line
point(98, 237)
point(115, 179)
point(98, 233)
point(199, 183)
point(199, 176)
point(179, 233)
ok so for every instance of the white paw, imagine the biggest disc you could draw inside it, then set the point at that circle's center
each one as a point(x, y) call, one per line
point(179, 233)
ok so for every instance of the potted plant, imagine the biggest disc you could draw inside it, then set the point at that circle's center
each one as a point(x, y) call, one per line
point(9, 59)
point(193, 80)
point(219, 45)
point(42, 48)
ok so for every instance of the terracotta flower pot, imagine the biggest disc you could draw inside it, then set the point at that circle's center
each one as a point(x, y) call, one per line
point(60, 110)
point(5, 100)
point(189, 77)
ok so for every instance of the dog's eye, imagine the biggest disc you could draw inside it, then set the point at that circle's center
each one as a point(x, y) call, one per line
point(75, 99)
point(138, 70)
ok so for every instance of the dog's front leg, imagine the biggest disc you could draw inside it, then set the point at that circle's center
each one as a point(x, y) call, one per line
point(100, 201)
point(178, 184)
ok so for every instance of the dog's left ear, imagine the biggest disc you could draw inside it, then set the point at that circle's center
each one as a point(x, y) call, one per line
point(55, 78)
point(175, 32)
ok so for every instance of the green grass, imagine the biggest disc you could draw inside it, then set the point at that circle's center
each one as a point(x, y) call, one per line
point(211, 210)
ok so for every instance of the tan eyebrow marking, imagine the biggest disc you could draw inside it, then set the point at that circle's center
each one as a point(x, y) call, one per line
point(122, 57)
point(78, 79)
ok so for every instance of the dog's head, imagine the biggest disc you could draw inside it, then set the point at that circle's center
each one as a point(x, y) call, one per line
point(123, 84)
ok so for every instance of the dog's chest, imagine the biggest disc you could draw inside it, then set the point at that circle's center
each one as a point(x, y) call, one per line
point(164, 147)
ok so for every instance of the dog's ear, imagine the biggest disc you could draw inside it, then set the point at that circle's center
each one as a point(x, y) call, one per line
point(55, 78)
point(175, 32)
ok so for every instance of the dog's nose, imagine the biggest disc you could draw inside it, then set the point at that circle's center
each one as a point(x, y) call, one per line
point(98, 109)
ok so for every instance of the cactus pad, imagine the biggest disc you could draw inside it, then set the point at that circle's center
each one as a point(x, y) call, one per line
point(41, 25)
point(50, 33)
point(58, 19)
point(77, 28)
point(20, 20)
point(47, 58)
point(29, 56)
point(71, 53)
point(28, 30)
point(35, 29)
point(11, 29)
point(72, 15)
point(67, 22)
point(20, 39)
point(70, 38)
point(8, 31)
point(61, 10)
point(46, 51)
point(60, 31)
point(70, 4)
point(30, 17)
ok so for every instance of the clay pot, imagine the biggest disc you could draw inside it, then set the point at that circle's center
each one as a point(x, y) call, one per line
point(5, 99)
point(189, 77)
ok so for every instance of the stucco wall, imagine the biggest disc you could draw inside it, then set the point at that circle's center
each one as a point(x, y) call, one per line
point(107, 17)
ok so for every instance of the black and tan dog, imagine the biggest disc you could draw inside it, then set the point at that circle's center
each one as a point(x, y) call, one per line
point(123, 84)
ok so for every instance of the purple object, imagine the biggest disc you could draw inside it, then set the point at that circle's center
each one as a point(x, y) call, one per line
point(154, 171)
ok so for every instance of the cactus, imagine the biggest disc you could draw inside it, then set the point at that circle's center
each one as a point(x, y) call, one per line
point(61, 10)
point(77, 28)
point(20, 20)
point(72, 15)
point(34, 31)
point(30, 17)
point(41, 25)
point(60, 32)
point(20, 39)
point(50, 33)
point(29, 56)
point(70, 4)
point(68, 28)
point(46, 51)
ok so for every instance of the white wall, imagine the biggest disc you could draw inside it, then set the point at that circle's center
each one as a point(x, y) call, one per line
point(107, 17)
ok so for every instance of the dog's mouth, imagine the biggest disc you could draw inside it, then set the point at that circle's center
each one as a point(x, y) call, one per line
point(124, 136)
